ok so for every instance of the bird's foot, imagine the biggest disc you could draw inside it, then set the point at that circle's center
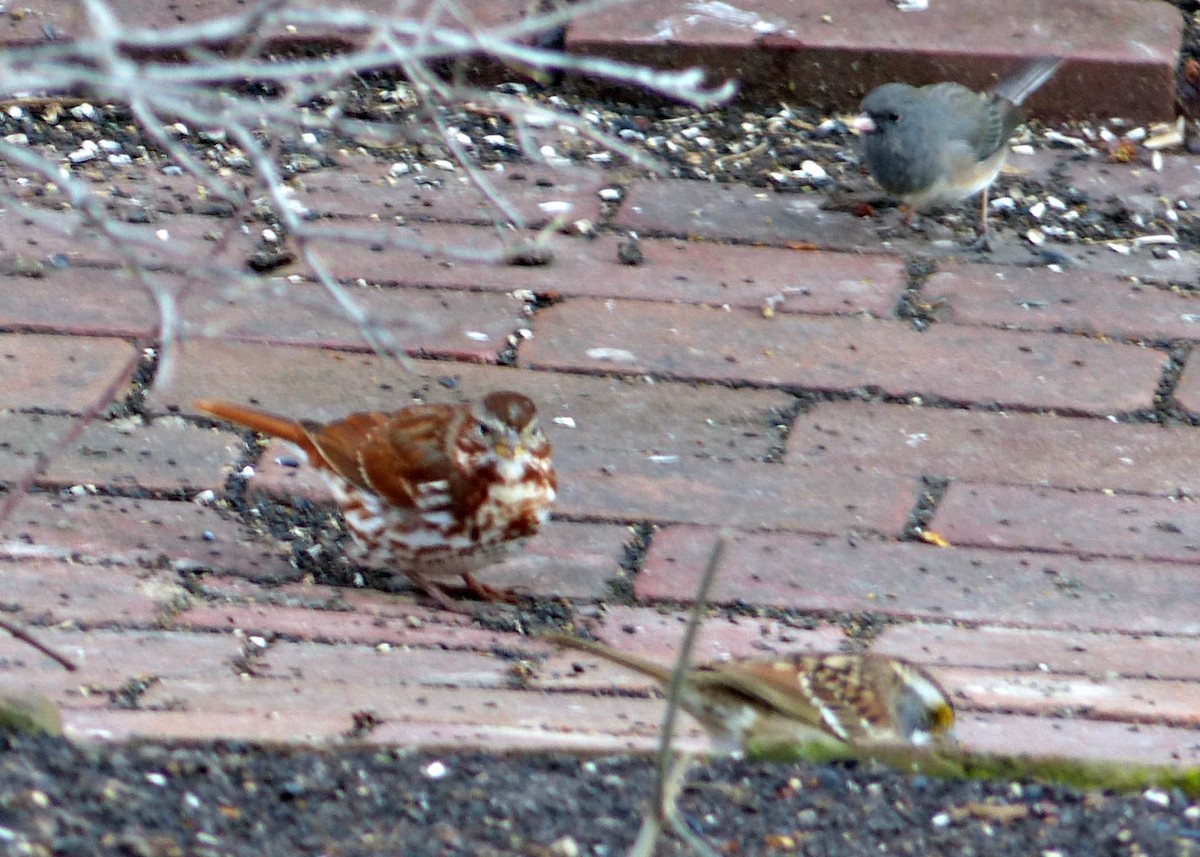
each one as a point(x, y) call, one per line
point(981, 244)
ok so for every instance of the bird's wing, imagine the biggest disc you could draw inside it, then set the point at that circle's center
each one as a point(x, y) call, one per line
point(396, 456)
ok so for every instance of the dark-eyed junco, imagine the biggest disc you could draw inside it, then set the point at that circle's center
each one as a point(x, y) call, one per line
point(938, 144)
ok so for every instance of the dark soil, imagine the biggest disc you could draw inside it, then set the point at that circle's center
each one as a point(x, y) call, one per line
point(232, 799)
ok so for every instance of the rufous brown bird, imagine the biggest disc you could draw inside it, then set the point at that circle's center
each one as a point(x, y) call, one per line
point(432, 491)
point(857, 700)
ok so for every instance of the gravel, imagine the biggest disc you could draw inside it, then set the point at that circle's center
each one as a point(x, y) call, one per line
point(233, 799)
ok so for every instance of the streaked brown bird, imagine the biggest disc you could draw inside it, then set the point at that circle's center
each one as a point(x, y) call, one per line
point(857, 700)
point(432, 491)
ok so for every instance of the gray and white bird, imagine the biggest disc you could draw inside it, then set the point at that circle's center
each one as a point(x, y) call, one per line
point(942, 143)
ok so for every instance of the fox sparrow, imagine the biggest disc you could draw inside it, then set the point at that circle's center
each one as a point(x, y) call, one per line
point(859, 700)
point(434, 491)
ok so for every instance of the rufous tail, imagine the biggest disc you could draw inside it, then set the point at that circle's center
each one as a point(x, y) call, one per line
point(261, 421)
point(637, 664)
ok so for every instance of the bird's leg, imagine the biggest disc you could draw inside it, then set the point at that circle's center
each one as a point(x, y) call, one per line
point(983, 241)
point(488, 593)
point(437, 593)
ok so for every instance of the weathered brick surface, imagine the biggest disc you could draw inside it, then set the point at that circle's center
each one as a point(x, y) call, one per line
point(415, 626)
point(79, 300)
point(832, 56)
point(1080, 738)
point(756, 215)
point(64, 594)
point(447, 323)
point(629, 416)
point(804, 50)
point(1080, 653)
point(741, 494)
point(810, 430)
point(368, 189)
point(707, 272)
point(165, 455)
point(177, 535)
point(964, 365)
point(912, 580)
point(1175, 703)
point(318, 726)
point(979, 446)
point(1041, 299)
point(113, 661)
point(60, 373)
point(1188, 390)
point(1086, 523)
point(454, 324)
point(718, 641)
point(184, 243)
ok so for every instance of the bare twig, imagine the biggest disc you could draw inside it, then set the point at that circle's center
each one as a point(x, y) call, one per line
point(25, 637)
point(669, 768)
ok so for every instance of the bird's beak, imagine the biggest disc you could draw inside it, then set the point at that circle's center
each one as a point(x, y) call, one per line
point(863, 124)
point(506, 451)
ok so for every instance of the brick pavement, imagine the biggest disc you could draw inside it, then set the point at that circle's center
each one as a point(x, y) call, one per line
point(1064, 613)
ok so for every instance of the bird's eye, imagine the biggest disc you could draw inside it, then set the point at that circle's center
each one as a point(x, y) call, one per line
point(484, 429)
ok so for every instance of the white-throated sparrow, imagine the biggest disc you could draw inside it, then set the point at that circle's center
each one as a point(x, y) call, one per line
point(857, 700)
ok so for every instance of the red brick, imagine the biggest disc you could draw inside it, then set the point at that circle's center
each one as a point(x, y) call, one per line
point(914, 580)
point(1136, 186)
point(1044, 651)
point(446, 323)
point(1026, 449)
point(739, 212)
point(675, 270)
point(617, 415)
point(48, 592)
point(564, 560)
point(735, 493)
point(1040, 299)
point(1149, 529)
point(401, 624)
point(567, 560)
point(111, 660)
point(656, 633)
point(125, 531)
point(455, 324)
point(656, 636)
point(368, 189)
point(1031, 370)
point(194, 244)
point(397, 701)
point(1132, 190)
point(1079, 739)
point(1188, 390)
point(258, 726)
point(324, 665)
point(79, 300)
point(61, 373)
point(811, 52)
point(165, 455)
point(751, 215)
point(316, 726)
point(573, 739)
point(1172, 702)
